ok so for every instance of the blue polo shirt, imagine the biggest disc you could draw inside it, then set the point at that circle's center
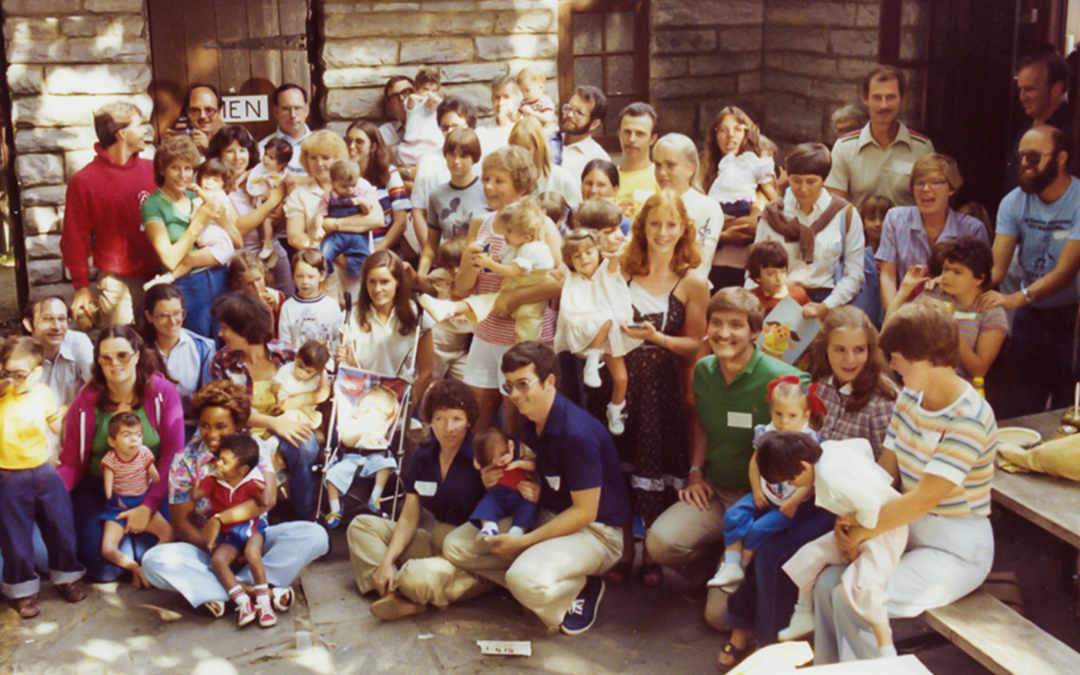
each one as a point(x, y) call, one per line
point(451, 501)
point(576, 453)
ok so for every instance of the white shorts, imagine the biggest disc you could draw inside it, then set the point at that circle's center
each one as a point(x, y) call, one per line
point(483, 368)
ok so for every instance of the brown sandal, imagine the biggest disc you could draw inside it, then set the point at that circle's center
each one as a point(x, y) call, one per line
point(737, 655)
point(620, 572)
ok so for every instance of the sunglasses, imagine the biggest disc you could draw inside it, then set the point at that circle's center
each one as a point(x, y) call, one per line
point(521, 386)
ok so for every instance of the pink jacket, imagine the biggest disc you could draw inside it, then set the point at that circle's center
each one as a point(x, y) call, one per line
point(165, 413)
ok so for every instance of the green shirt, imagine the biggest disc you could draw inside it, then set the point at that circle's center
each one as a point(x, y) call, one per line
point(729, 413)
point(100, 445)
point(158, 207)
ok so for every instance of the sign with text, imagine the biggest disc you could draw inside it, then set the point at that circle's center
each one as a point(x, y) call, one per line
point(236, 109)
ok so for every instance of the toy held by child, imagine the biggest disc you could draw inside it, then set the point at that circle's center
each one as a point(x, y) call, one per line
point(301, 385)
point(237, 479)
point(128, 470)
point(310, 314)
point(31, 491)
point(350, 195)
point(771, 507)
point(534, 101)
point(767, 266)
point(422, 133)
point(493, 448)
point(367, 429)
point(594, 305)
point(267, 175)
point(526, 261)
point(847, 481)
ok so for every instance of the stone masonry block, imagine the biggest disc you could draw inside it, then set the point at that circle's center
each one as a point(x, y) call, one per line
point(43, 246)
point(354, 78)
point(97, 79)
point(76, 160)
point(741, 39)
point(64, 290)
point(49, 139)
point(516, 5)
point(66, 111)
point(45, 272)
point(472, 72)
point(835, 93)
point(526, 22)
point(778, 81)
point(344, 8)
point(688, 87)
point(36, 28)
point(381, 24)
point(396, 7)
point(792, 117)
point(39, 169)
point(92, 26)
point(39, 7)
point(802, 13)
point(815, 66)
point(114, 5)
point(670, 13)
point(797, 38)
point(349, 104)
point(479, 94)
point(499, 48)
point(41, 219)
point(437, 50)
point(108, 49)
point(345, 53)
point(25, 80)
point(683, 41)
point(868, 16)
point(862, 43)
point(855, 69)
point(724, 64)
point(550, 68)
point(668, 66)
point(46, 195)
point(749, 83)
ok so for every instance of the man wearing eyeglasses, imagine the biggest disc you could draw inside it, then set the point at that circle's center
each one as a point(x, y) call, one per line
point(397, 89)
point(202, 107)
point(1042, 219)
point(574, 146)
point(289, 103)
point(1042, 85)
point(555, 569)
point(69, 354)
point(877, 160)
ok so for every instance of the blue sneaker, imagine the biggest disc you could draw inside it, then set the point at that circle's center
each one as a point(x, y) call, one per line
point(582, 613)
point(639, 528)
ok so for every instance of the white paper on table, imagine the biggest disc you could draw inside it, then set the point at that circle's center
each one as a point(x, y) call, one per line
point(778, 659)
point(505, 647)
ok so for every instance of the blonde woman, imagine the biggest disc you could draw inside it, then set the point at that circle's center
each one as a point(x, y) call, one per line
point(529, 134)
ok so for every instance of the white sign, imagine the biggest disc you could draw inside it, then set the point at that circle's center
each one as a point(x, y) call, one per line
point(245, 109)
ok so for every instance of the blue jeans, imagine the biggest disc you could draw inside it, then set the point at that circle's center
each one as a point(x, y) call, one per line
point(767, 607)
point(349, 244)
point(502, 501)
point(754, 526)
point(37, 494)
point(302, 482)
point(88, 501)
point(200, 289)
point(1041, 358)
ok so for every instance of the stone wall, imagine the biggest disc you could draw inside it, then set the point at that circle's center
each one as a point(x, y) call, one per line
point(705, 54)
point(473, 41)
point(66, 58)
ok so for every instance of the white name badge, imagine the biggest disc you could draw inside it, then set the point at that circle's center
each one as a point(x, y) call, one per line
point(1062, 234)
point(426, 488)
point(642, 196)
point(900, 166)
point(966, 316)
point(740, 420)
point(554, 482)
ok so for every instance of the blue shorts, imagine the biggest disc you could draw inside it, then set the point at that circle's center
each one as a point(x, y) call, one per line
point(238, 536)
point(118, 504)
point(502, 501)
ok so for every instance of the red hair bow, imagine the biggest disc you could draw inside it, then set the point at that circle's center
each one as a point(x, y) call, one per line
point(817, 406)
point(786, 379)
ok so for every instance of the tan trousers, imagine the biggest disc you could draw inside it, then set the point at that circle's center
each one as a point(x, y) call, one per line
point(119, 298)
point(423, 577)
point(546, 577)
point(683, 534)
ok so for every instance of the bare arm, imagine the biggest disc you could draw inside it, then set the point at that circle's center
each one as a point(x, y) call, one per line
point(154, 475)
point(107, 475)
point(1003, 249)
point(249, 221)
point(469, 268)
point(171, 254)
point(358, 224)
point(887, 274)
point(398, 222)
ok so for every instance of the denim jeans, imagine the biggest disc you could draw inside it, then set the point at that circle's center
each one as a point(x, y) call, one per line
point(302, 483)
point(200, 289)
point(88, 500)
point(37, 494)
point(355, 248)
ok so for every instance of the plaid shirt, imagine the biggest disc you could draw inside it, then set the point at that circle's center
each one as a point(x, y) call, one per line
point(230, 365)
point(870, 423)
point(195, 463)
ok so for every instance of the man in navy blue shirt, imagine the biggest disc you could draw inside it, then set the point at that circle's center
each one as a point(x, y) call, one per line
point(555, 569)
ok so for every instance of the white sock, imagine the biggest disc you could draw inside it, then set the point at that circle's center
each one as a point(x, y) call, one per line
point(490, 529)
point(335, 506)
point(886, 651)
point(733, 557)
point(516, 531)
point(806, 596)
point(376, 493)
point(744, 562)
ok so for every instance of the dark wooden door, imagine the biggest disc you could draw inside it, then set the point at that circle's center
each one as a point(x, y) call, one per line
point(242, 47)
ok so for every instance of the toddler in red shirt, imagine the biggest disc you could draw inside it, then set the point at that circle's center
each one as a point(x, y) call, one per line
point(767, 266)
point(492, 447)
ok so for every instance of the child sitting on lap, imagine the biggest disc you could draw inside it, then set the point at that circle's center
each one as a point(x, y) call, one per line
point(128, 470)
point(350, 196)
point(492, 447)
point(301, 385)
point(767, 266)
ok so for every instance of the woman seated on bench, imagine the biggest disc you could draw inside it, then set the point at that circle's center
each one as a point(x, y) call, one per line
point(944, 437)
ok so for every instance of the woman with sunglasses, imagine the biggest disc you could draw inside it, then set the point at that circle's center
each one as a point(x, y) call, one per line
point(125, 378)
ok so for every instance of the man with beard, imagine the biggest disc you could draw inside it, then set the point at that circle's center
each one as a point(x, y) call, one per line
point(1042, 216)
point(1042, 83)
point(69, 354)
point(877, 160)
point(581, 116)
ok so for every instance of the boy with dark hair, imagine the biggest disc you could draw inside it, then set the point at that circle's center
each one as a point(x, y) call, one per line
point(767, 266)
point(491, 447)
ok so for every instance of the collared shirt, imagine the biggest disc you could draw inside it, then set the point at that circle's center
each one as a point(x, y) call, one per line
point(1041, 231)
point(392, 133)
point(70, 370)
point(729, 412)
point(574, 453)
point(862, 168)
point(304, 202)
point(382, 348)
point(830, 247)
point(230, 365)
point(904, 241)
point(187, 365)
point(194, 464)
point(577, 155)
point(560, 182)
point(841, 424)
point(295, 167)
point(452, 500)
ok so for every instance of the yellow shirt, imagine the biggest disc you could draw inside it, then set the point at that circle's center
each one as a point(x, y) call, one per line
point(24, 422)
point(635, 188)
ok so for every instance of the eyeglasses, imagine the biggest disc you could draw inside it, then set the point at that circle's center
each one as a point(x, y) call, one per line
point(17, 375)
point(571, 110)
point(1031, 156)
point(122, 359)
point(403, 94)
point(293, 109)
point(208, 112)
point(174, 316)
point(522, 386)
point(935, 184)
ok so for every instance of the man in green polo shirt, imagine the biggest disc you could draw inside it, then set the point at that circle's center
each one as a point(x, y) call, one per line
point(730, 386)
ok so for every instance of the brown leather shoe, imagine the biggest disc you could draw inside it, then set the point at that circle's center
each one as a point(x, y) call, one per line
point(27, 607)
point(392, 607)
point(73, 592)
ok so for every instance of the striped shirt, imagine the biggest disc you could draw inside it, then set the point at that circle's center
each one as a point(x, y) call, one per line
point(972, 322)
point(499, 330)
point(957, 443)
point(130, 478)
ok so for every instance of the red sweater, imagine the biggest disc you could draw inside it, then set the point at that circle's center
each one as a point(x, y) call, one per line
point(102, 217)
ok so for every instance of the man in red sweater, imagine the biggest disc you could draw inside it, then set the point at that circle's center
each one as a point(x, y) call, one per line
point(102, 217)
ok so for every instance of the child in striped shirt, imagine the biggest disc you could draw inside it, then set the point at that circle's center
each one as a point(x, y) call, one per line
point(128, 469)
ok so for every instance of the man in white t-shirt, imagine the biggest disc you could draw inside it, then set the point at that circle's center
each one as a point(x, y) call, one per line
point(505, 100)
point(581, 116)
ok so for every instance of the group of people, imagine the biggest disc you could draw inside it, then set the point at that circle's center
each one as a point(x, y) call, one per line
point(580, 340)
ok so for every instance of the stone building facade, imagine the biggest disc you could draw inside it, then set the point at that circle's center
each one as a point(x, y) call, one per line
point(789, 63)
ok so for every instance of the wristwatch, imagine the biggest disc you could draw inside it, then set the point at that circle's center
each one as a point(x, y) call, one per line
point(695, 469)
point(1026, 292)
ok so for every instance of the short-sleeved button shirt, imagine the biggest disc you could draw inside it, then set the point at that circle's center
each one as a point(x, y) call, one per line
point(452, 500)
point(70, 370)
point(194, 464)
point(862, 168)
point(575, 453)
point(904, 241)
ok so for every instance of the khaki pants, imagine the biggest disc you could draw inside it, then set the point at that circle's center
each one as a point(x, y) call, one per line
point(683, 534)
point(119, 298)
point(423, 576)
point(546, 577)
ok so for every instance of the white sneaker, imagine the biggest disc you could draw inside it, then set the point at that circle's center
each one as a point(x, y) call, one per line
point(728, 577)
point(489, 530)
point(591, 376)
point(282, 597)
point(440, 310)
point(166, 278)
point(246, 609)
point(802, 624)
point(615, 417)
point(266, 251)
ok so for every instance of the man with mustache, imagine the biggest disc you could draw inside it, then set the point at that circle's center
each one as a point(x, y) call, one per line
point(877, 159)
point(574, 146)
point(69, 354)
point(1042, 218)
point(1042, 84)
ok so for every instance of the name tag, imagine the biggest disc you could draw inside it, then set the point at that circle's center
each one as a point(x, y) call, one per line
point(966, 316)
point(1062, 234)
point(554, 482)
point(426, 488)
point(740, 420)
point(643, 195)
point(900, 166)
